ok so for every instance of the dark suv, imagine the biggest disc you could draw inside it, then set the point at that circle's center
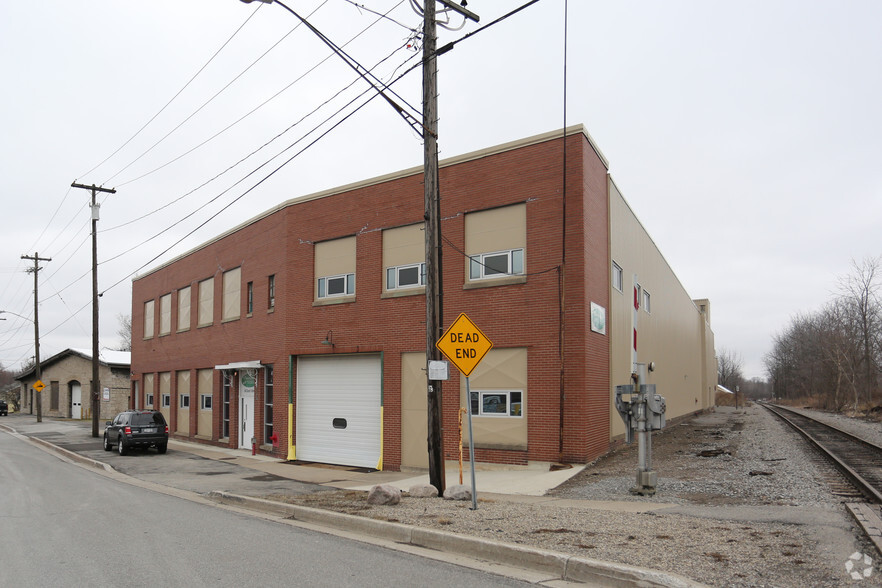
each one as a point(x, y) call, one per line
point(4, 408)
point(136, 428)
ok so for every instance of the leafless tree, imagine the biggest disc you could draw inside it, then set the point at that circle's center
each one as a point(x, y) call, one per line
point(124, 332)
point(859, 291)
point(729, 369)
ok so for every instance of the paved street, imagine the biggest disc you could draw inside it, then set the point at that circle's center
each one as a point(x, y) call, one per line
point(65, 525)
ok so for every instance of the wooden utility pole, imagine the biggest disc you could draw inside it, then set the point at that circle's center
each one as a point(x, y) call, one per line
point(38, 372)
point(432, 202)
point(96, 382)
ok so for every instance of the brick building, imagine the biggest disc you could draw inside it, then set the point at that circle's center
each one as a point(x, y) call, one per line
point(303, 329)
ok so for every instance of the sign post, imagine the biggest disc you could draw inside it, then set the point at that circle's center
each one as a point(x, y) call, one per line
point(465, 346)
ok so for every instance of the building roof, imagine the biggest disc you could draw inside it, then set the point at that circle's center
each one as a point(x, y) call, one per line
point(107, 357)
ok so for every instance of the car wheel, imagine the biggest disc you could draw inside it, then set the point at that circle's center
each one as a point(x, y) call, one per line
point(106, 443)
point(121, 447)
point(162, 448)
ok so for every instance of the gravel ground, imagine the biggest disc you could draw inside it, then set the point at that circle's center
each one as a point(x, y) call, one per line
point(757, 512)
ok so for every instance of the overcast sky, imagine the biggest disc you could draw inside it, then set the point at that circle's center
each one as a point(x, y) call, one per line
point(745, 136)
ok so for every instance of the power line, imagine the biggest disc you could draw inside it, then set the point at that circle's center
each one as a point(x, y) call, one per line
point(179, 92)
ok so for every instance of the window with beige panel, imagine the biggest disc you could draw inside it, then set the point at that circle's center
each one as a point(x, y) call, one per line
point(499, 399)
point(232, 295)
point(184, 309)
point(183, 390)
point(148, 391)
point(335, 270)
point(206, 302)
point(149, 318)
point(165, 314)
point(495, 242)
point(404, 253)
point(204, 384)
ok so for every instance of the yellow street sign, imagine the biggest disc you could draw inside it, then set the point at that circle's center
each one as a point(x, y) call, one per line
point(39, 385)
point(464, 344)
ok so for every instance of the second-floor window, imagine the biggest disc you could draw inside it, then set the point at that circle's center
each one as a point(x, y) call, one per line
point(406, 276)
point(496, 264)
point(271, 301)
point(342, 285)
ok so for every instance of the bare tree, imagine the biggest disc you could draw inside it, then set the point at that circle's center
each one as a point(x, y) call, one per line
point(124, 332)
point(729, 369)
point(859, 291)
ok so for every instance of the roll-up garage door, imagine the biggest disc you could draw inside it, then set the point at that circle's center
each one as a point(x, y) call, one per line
point(339, 410)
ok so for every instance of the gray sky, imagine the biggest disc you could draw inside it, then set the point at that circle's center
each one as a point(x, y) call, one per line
point(746, 136)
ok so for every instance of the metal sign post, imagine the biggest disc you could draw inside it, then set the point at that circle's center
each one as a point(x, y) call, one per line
point(465, 346)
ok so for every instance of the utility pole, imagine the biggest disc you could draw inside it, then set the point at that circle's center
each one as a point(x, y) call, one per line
point(96, 382)
point(39, 374)
point(432, 202)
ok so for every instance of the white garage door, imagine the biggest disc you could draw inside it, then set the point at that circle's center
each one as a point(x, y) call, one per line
point(339, 411)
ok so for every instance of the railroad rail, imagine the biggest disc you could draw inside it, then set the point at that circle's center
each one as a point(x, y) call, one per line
point(857, 459)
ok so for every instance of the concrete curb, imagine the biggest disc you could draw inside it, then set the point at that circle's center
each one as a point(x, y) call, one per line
point(565, 567)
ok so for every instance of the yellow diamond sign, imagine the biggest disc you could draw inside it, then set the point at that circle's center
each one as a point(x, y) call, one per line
point(464, 344)
point(39, 385)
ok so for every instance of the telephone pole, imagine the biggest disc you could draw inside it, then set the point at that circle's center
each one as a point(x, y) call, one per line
point(432, 202)
point(96, 382)
point(37, 259)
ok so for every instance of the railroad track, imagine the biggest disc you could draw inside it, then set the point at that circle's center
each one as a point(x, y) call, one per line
point(858, 461)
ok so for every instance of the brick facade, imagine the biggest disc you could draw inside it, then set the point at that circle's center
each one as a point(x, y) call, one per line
point(546, 312)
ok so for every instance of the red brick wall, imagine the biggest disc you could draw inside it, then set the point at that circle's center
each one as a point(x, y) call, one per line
point(520, 315)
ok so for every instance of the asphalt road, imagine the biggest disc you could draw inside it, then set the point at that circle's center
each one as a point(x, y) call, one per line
point(65, 525)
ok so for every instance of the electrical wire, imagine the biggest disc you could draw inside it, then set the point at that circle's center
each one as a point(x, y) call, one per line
point(210, 100)
point(179, 92)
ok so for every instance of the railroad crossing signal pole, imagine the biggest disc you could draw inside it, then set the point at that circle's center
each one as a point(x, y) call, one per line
point(38, 372)
point(96, 382)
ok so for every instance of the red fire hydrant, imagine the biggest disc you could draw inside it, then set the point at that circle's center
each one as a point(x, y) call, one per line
point(275, 439)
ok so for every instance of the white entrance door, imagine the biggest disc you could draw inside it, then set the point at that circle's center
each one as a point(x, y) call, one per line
point(247, 380)
point(76, 401)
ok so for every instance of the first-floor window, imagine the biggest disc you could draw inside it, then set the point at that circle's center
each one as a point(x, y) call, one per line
point(205, 401)
point(646, 302)
point(226, 402)
point(504, 403)
point(497, 264)
point(406, 276)
point(166, 400)
point(149, 400)
point(342, 285)
point(184, 400)
point(268, 404)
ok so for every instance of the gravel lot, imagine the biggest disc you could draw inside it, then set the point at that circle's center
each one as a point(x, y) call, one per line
point(759, 512)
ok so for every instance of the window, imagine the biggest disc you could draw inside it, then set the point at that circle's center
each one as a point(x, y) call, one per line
point(271, 302)
point(646, 300)
point(184, 309)
point(494, 265)
point(335, 270)
point(496, 241)
point(617, 277)
point(506, 403)
point(148, 390)
point(184, 401)
point(148, 400)
point(406, 276)
point(249, 295)
point(268, 404)
point(404, 254)
point(165, 314)
point(226, 404)
point(206, 302)
point(205, 401)
point(166, 400)
point(232, 295)
point(342, 285)
point(149, 307)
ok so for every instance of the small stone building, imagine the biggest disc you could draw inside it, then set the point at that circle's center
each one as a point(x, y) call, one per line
point(67, 377)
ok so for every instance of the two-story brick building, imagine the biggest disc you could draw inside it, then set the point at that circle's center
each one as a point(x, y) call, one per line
point(304, 328)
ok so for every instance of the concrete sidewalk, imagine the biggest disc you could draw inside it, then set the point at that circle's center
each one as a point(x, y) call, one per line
point(192, 467)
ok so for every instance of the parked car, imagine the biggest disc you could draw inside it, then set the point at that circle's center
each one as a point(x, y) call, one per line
point(4, 408)
point(136, 428)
